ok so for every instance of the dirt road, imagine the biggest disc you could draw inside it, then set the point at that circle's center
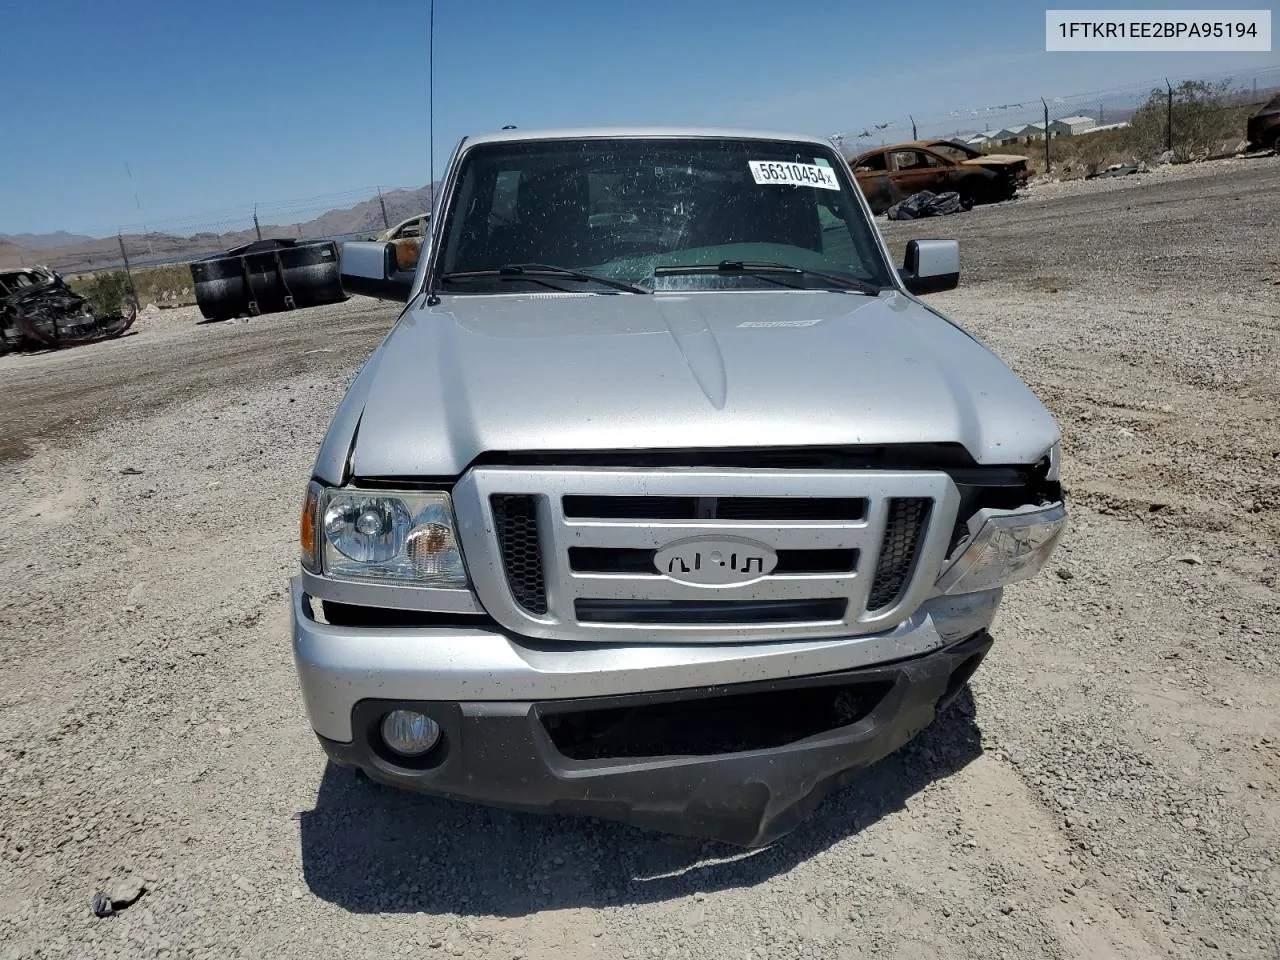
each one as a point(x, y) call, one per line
point(1110, 789)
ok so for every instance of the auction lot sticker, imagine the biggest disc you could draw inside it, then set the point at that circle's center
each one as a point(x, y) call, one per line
point(1157, 30)
point(793, 174)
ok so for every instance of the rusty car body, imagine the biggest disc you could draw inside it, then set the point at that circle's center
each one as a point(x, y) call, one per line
point(1263, 129)
point(39, 311)
point(892, 173)
point(407, 238)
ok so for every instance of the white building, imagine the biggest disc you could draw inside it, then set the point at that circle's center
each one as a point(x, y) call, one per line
point(1071, 125)
point(1105, 126)
point(982, 139)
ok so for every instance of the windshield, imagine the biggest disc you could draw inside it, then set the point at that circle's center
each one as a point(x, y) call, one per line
point(622, 208)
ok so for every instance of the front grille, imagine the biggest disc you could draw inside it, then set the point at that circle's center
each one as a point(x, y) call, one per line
point(578, 550)
point(722, 612)
point(907, 516)
point(714, 508)
point(622, 560)
point(516, 519)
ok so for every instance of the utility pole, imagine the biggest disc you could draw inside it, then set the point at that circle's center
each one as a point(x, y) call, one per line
point(1168, 140)
point(256, 226)
point(386, 224)
point(1048, 165)
point(127, 271)
point(914, 135)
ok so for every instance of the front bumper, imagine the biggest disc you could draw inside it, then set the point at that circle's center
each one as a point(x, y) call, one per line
point(339, 666)
point(495, 695)
point(501, 753)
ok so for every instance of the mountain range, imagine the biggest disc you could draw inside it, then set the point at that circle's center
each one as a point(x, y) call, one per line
point(71, 253)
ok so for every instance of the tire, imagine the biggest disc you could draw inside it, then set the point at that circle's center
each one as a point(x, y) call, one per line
point(972, 192)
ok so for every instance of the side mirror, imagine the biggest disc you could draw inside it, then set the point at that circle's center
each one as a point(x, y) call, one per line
point(377, 270)
point(931, 266)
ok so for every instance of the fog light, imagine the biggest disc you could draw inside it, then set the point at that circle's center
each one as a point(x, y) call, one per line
point(409, 733)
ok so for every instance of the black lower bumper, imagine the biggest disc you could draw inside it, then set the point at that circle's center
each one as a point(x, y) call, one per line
point(518, 755)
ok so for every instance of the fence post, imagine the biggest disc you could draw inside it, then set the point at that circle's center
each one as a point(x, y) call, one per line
point(386, 224)
point(133, 293)
point(1048, 164)
point(1168, 138)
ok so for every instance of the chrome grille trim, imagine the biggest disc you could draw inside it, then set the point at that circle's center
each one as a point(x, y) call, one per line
point(478, 530)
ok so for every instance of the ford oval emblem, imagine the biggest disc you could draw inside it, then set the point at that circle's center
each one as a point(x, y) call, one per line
point(715, 561)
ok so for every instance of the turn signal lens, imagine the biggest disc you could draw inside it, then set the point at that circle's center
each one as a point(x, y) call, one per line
point(308, 528)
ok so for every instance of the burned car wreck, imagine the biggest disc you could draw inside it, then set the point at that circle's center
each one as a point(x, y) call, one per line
point(888, 175)
point(39, 311)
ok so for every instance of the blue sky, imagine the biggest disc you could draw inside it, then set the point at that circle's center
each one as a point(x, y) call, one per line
point(214, 106)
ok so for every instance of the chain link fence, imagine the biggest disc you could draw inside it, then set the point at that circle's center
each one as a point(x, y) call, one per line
point(1064, 136)
point(1192, 118)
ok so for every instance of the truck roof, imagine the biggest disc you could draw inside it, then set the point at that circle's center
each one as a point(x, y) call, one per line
point(579, 133)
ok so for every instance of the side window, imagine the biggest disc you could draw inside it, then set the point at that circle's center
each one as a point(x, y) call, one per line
point(505, 191)
point(837, 243)
point(603, 194)
point(874, 162)
point(909, 160)
point(951, 153)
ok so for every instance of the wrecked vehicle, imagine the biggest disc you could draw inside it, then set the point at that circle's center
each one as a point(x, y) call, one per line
point(678, 516)
point(268, 276)
point(1262, 130)
point(407, 236)
point(39, 311)
point(888, 175)
point(415, 227)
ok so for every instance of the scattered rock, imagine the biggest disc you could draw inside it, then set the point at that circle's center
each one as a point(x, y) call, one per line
point(120, 893)
point(131, 472)
point(1189, 558)
point(102, 905)
point(1065, 574)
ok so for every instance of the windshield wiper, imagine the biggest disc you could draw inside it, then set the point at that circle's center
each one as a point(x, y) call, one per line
point(764, 268)
point(519, 271)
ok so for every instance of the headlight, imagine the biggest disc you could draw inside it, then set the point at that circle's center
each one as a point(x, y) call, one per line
point(1006, 546)
point(384, 536)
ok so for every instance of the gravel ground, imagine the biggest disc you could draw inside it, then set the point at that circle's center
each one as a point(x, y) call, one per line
point(1109, 789)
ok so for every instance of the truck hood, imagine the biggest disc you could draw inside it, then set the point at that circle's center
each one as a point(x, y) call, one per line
point(583, 372)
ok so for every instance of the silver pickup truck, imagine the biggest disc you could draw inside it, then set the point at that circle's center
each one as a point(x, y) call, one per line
point(666, 500)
